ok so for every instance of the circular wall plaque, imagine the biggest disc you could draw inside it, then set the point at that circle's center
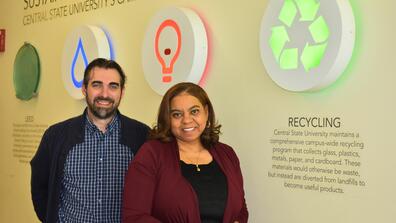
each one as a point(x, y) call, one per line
point(82, 45)
point(306, 44)
point(175, 49)
point(26, 72)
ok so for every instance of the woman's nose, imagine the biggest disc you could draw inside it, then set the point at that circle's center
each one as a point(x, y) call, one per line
point(187, 118)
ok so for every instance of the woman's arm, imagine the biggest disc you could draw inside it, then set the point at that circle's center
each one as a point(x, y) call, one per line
point(243, 214)
point(139, 187)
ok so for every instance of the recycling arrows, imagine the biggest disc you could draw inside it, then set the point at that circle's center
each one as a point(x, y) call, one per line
point(308, 9)
point(312, 54)
point(305, 45)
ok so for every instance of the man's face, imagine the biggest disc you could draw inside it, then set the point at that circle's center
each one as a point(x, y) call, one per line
point(103, 92)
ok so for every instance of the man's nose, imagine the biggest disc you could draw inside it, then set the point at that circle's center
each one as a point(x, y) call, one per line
point(105, 92)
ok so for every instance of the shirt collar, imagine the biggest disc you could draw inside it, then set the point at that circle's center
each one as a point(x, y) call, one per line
point(114, 124)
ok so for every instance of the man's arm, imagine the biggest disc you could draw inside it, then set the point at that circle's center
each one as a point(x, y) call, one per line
point(40, 166)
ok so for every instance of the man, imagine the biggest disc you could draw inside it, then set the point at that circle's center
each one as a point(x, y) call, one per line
point(78, 170)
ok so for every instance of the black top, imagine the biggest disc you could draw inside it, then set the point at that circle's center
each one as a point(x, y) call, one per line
point(210, 185)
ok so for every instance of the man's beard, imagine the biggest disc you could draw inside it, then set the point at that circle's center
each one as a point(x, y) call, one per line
point(102, 113)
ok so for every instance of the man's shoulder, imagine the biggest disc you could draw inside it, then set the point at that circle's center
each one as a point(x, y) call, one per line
point(68, 123)
point(133, 133)
point(128, 122)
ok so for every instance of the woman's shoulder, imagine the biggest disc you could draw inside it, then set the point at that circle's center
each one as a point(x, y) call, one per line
point(155, 147)
point(155, 143)
point(223, 148)
point(225, 154)
point(149, 154)
point(221, 145)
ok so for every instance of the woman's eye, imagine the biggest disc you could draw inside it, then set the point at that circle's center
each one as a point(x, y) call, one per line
point(176, 115)
point(194, 111)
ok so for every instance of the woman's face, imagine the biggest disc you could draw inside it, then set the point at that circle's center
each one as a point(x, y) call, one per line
point(188, 118)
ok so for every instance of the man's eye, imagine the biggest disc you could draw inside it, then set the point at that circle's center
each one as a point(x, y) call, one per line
point(114, 86)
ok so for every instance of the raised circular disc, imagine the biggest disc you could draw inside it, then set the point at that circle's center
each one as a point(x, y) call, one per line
point(26, 72)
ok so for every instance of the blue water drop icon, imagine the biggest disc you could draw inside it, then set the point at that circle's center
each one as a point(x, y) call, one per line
point(79, 50)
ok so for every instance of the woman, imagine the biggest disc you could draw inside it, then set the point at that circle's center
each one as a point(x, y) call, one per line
point(184, 174)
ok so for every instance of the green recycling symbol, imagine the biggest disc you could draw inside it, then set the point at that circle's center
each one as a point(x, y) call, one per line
point(312, 54)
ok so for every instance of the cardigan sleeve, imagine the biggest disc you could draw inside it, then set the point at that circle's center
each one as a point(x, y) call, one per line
point(243, 214)
point(139, 187)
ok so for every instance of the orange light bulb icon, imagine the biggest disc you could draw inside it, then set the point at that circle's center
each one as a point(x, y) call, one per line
point(168, 53)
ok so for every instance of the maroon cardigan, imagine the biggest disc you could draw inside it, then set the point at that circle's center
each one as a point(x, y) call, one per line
point(156, 191)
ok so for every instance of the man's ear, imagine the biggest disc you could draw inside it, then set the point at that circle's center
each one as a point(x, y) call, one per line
point(122, 92)
point(84, 90)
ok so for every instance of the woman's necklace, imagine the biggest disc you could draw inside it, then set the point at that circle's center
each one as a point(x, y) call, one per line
point(196, 164)
point(197, 161)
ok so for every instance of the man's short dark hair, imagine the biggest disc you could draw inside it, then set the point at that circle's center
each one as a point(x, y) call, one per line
point(106, 64)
